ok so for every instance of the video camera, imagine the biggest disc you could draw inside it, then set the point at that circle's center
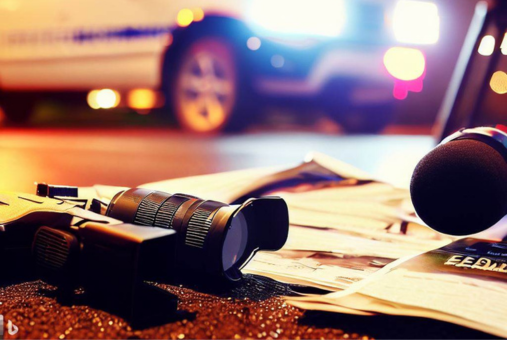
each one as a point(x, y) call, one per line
point(114, 249)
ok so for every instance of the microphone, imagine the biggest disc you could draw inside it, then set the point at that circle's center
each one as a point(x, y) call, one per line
point(460, 187)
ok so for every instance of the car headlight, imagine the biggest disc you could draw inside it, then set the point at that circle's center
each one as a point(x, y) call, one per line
point(297, 18)
point(416, 22)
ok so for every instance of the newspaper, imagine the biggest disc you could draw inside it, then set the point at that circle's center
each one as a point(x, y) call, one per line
point(464, 283)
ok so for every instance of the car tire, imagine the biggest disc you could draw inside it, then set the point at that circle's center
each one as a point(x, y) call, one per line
point(364, 120)
point(17, 107)
point(208, 92)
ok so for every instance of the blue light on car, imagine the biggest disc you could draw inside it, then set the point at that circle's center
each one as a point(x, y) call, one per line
point(324, 18)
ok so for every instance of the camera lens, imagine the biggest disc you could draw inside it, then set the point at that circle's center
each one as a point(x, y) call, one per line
point(235, 241)
point(212, 237)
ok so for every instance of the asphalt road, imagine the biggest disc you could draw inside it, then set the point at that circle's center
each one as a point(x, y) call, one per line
point(136, 155)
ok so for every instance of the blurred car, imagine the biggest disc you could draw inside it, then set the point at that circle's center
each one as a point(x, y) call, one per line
point(213, 62)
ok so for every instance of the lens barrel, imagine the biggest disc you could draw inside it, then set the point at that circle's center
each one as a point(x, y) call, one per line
point(213, 238)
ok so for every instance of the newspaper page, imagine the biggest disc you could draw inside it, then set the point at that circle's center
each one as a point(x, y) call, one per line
point(464, 282)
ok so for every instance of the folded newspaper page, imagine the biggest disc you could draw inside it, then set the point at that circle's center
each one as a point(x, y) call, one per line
point(464, 282)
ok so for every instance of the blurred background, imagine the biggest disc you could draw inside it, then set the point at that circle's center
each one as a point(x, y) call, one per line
point(124, 92)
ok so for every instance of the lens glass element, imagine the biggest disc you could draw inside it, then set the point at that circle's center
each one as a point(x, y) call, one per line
point(235, 241)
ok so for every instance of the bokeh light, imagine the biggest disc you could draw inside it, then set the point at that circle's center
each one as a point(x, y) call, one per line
point(198, 14)
point(503, 46)
point(277, 61)
point(103, 99)
point(253, 43)
point(142, 99)
point(297, 18)
point(498, 82)
point(487, 45)
point(416, 22)
point(405, 63)
point(169, 40)
point(185, 17)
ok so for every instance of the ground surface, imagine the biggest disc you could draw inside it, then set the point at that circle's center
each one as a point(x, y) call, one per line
point(33, 308)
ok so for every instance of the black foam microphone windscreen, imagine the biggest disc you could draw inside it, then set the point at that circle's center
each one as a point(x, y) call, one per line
point(460, 187)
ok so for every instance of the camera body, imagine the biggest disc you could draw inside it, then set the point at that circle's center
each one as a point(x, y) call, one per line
point(71, 248)
point(112, 264)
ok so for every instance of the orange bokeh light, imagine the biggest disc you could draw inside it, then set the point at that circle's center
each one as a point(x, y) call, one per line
point(198, 14)
point(142, 99)
point(498, 82)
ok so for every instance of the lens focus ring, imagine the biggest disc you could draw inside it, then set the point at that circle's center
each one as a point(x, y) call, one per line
point(165, 215)
point(198, 228)
point(149, 207)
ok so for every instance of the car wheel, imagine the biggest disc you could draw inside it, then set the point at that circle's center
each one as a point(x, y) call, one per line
point(364, 120)
point(17, 108)
point(205, 95)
